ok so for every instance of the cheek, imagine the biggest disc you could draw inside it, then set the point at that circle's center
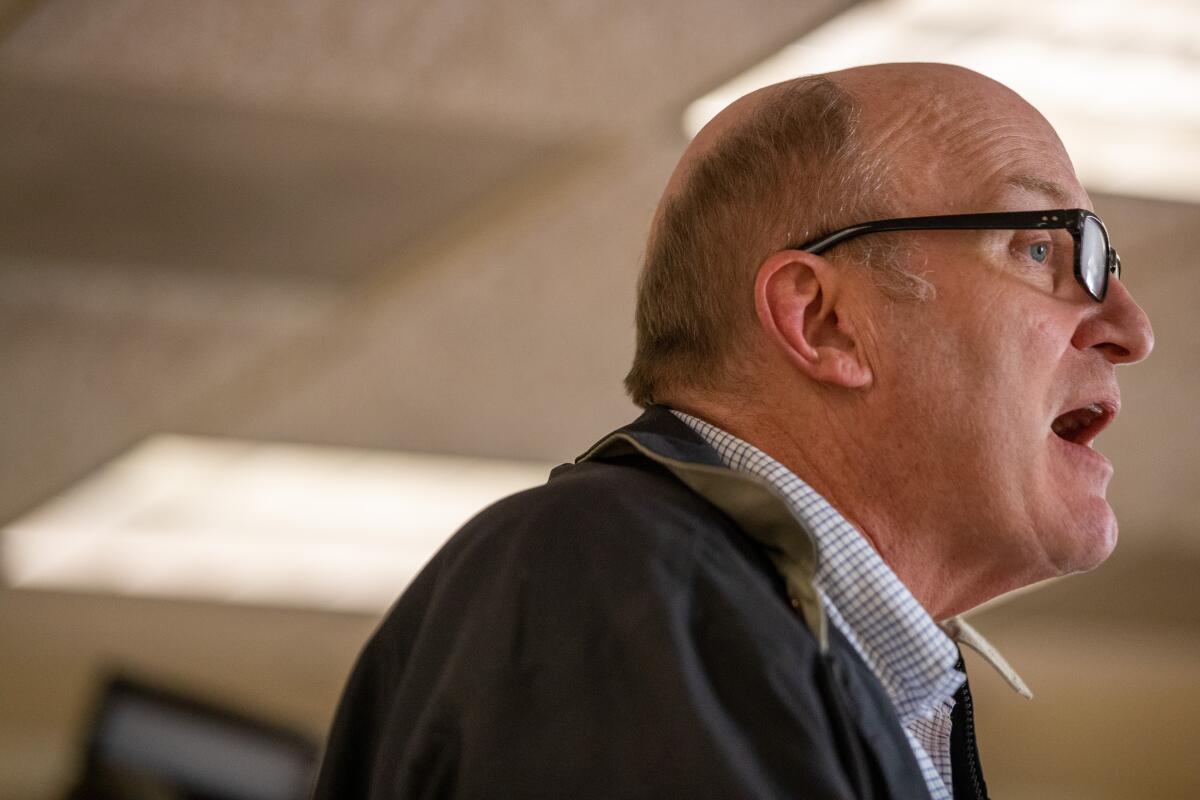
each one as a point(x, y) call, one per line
point(990, 378)
point(1017, 351)
point(974, 366)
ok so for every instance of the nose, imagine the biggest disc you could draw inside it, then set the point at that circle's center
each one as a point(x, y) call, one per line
point(1118, 327)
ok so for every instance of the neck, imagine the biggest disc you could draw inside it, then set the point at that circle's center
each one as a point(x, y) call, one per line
point(831, 449)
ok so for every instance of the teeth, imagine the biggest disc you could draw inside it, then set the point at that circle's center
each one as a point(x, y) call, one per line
point(1067, 425)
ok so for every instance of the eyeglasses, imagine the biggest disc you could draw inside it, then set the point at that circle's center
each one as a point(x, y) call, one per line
point(1095, 260)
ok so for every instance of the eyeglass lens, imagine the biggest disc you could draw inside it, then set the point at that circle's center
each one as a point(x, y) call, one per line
point(1093, 257)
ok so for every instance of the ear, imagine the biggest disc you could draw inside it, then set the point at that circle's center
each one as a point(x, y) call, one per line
point(798, 297)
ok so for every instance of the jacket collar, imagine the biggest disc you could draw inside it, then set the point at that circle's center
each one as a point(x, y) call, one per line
point(761, 512)
point(756, 506)
point(666, 435)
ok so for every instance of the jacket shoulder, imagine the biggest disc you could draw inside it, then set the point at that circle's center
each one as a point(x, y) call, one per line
point(608, 524)
point(610, 633)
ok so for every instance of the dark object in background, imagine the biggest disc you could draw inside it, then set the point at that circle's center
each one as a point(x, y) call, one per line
point(147, 743)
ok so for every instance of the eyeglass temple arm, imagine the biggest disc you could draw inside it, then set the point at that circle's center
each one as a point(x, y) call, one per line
point(953, 222)
point(837, 237)
point(988, 221)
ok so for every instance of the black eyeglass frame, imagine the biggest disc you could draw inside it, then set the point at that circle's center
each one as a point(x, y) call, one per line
point(1070, 219)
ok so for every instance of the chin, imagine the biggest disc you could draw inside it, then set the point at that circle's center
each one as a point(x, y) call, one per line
point(1088, 539)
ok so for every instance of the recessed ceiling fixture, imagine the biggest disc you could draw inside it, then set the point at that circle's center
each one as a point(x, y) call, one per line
point(1120, 82)
point(258, 523)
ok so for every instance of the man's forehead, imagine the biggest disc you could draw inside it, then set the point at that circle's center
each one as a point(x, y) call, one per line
point(958, 140)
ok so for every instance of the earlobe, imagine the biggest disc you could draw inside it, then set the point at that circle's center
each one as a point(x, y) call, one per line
point(799, 299)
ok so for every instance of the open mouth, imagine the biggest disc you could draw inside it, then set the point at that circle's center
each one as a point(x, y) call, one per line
point(1082, 425)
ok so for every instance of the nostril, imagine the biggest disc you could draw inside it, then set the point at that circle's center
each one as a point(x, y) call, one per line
point(1115, 352)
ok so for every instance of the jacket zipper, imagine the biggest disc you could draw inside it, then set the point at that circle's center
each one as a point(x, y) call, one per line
point(972, 752)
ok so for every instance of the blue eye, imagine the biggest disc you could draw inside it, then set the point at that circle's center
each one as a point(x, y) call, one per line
point(1039, 252)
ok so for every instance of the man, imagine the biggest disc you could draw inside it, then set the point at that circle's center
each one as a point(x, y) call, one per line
point(853, 434)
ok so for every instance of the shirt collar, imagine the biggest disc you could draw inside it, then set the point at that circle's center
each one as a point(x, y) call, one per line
point(913, 657)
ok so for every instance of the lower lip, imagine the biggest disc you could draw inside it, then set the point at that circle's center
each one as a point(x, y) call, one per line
point(1084, 455)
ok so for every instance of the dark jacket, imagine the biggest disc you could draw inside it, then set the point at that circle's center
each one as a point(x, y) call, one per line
point(644, 625)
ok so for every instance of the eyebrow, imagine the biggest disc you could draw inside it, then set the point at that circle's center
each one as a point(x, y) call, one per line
point(1040, 185)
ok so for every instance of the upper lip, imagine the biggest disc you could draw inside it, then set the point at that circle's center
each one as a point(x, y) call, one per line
point(1103, 405)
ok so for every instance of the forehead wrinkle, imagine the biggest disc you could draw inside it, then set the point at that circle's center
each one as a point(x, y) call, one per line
point(931, 118)
point(999, 140)
point(956, 155)
point(963, 136)
point(918, 121)
point(954, 142)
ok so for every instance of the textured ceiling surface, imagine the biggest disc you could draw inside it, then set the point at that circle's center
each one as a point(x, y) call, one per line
point(568, 65)
point(416, 225)
point(121, 180)
point(274, 138)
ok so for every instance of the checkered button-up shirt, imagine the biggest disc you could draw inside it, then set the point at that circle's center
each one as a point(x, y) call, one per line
point(911, 655)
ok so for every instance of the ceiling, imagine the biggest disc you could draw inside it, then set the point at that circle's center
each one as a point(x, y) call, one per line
point(402, 225)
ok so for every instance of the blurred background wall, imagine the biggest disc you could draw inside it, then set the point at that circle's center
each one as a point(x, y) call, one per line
point(416, 227)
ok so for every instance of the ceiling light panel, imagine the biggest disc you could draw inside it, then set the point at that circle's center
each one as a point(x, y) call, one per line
point(252, 522)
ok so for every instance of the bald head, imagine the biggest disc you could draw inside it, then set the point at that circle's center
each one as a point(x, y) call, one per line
point(913, 114)
point(786, 163)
